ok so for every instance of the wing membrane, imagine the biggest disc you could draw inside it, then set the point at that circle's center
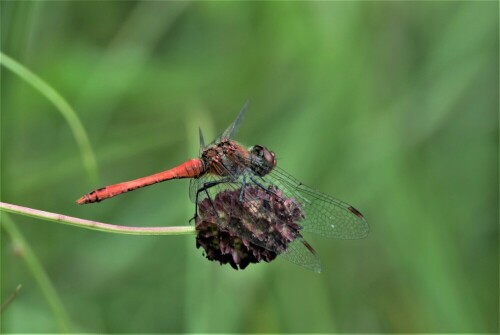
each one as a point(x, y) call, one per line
point(301, 253)
point(325, 215)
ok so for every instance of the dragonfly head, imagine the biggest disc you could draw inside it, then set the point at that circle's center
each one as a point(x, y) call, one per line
point(262, 160)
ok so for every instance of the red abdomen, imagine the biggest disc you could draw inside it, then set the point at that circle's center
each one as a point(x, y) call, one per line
point(190, 169)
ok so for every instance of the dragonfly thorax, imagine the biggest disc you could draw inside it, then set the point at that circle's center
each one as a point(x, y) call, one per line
point(228, 158)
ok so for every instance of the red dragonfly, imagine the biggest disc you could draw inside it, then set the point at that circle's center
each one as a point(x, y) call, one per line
point(225, 164)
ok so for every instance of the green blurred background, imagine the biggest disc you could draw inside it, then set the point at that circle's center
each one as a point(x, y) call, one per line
point(389, 106)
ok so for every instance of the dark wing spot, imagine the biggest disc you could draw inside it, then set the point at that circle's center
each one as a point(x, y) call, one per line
point(356, 212)
point(309, 247)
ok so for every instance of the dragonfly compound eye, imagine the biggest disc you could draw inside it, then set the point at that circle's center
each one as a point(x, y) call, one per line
point(262, 160)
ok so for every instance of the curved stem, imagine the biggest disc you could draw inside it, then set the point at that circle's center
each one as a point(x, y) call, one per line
point(64, 108)
point(94, 225)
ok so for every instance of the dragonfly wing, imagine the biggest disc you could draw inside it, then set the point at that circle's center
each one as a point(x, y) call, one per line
point(194, 185)
point(325, 215)
point(301, 253)
point(233, 128)
point(202, 141)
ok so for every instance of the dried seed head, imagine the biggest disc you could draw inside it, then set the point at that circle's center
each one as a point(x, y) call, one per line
point(249, 227)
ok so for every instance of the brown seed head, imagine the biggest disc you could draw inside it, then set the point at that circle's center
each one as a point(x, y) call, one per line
point(255, 226)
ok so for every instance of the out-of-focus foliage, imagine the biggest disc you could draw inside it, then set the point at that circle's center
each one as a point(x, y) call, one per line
point(390, 106)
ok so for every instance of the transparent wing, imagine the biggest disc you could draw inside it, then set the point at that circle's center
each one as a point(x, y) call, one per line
point(325, 215)
point(233, 127)
point(301, 253)
point(202, 141)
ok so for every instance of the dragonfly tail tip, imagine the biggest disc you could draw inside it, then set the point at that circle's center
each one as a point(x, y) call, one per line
point(82, 200)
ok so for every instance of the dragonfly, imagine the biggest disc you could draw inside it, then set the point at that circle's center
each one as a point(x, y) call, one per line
point(226, 164)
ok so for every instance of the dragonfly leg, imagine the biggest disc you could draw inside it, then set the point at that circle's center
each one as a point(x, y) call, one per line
point(262, 186)
point(205, 189)
point(243, 185)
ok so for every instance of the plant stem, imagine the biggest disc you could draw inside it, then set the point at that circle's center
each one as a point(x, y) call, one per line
point(64, 108)
point(94, 225)
point(39, 274)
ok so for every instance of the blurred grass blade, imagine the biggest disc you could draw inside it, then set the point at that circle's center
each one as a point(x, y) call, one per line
point(129, 51)
point(41, 277)
point(64, 108)
point(10, 299)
